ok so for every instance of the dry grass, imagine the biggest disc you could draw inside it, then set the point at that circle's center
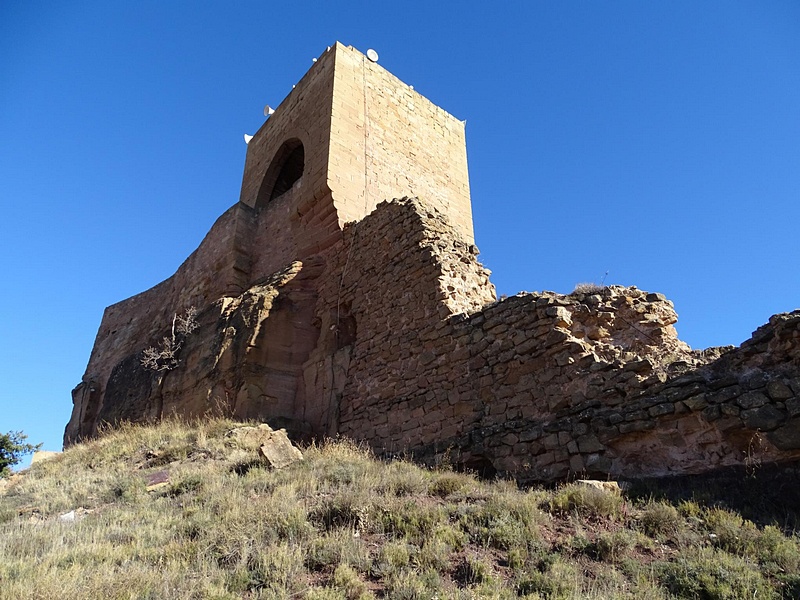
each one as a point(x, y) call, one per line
point(343, 525)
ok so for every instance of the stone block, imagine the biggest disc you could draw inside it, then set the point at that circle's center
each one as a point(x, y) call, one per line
point(764, 418)
point(661, 410)
point(752, 400)
point(778, 390)
point(786, 437)
point(589, 443)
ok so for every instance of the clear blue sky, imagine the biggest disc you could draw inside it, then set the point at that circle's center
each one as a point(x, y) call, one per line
point(655, 141)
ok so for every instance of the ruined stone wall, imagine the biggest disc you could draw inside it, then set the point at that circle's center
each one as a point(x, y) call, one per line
point(633, 402)
point(404, 271)
point(392, 335)
point(329, 311)
point(544, 386)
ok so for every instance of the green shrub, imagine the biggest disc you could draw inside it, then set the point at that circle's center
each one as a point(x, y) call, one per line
point(350, 584)
point(433, 556)
point(612, 546)
point(556, 581)
point(472, 571)
point(12, 448)
point(335, 548)
point(731, 532)
point(410, 520)
point(412, 585)
point(503, 521)
point(586, 500)
point(778, 553)
point(347, 509)
point(392, 559)
point(659, 520)
point(401, 478)
point(711, 574)
point(186, 484)
point(446, 483)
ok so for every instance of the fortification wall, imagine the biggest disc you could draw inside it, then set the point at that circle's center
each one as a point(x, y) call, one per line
point(392, 335)
point(545, 386)
point(404, 271)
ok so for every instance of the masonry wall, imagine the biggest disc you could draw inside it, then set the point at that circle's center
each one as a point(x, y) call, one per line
point(330, 311)
point(305, 114)
point(545, 386)
point(392, 335)
point(388, 140)
point(404, 271)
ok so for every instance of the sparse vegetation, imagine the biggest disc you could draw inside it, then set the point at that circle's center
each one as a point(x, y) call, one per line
point(165, 357)
point(168, 511)
point(588, 288)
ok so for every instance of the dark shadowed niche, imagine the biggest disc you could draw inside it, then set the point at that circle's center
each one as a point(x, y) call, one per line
point(283, 172)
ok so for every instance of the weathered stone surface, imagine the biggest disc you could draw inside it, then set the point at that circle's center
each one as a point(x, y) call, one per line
point(765, 418)
point(280, 453)
point(778, 390)
point(43, 455)
point(273, 445)
point(752, 400)
point(615, 487)
point(788, 436)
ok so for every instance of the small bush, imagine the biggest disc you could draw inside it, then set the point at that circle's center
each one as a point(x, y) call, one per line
point(777, 552)
point(714, 575)
point(411, 585)
point(348, 510)
point(586, 500)
point(186, 484)
point(401, 478)
point(612, 547)
point(433, 556)
point(504, 521)
point(346, 580)
point(659, 520)
point(126, 488)
point(410, 521)
point(556, 581)
point(392, 559)
point(336, 548)
point(447, 483)
point(732, 533)
point(472, 571)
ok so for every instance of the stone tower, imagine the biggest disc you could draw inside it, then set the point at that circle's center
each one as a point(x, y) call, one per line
point(349, 135)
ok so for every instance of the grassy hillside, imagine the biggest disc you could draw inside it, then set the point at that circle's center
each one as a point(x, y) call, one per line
point(181, 511)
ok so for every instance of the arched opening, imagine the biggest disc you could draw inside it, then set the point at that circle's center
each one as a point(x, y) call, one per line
point(283, 172)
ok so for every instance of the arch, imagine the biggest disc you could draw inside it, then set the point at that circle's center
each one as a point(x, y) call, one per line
point(286, 168)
